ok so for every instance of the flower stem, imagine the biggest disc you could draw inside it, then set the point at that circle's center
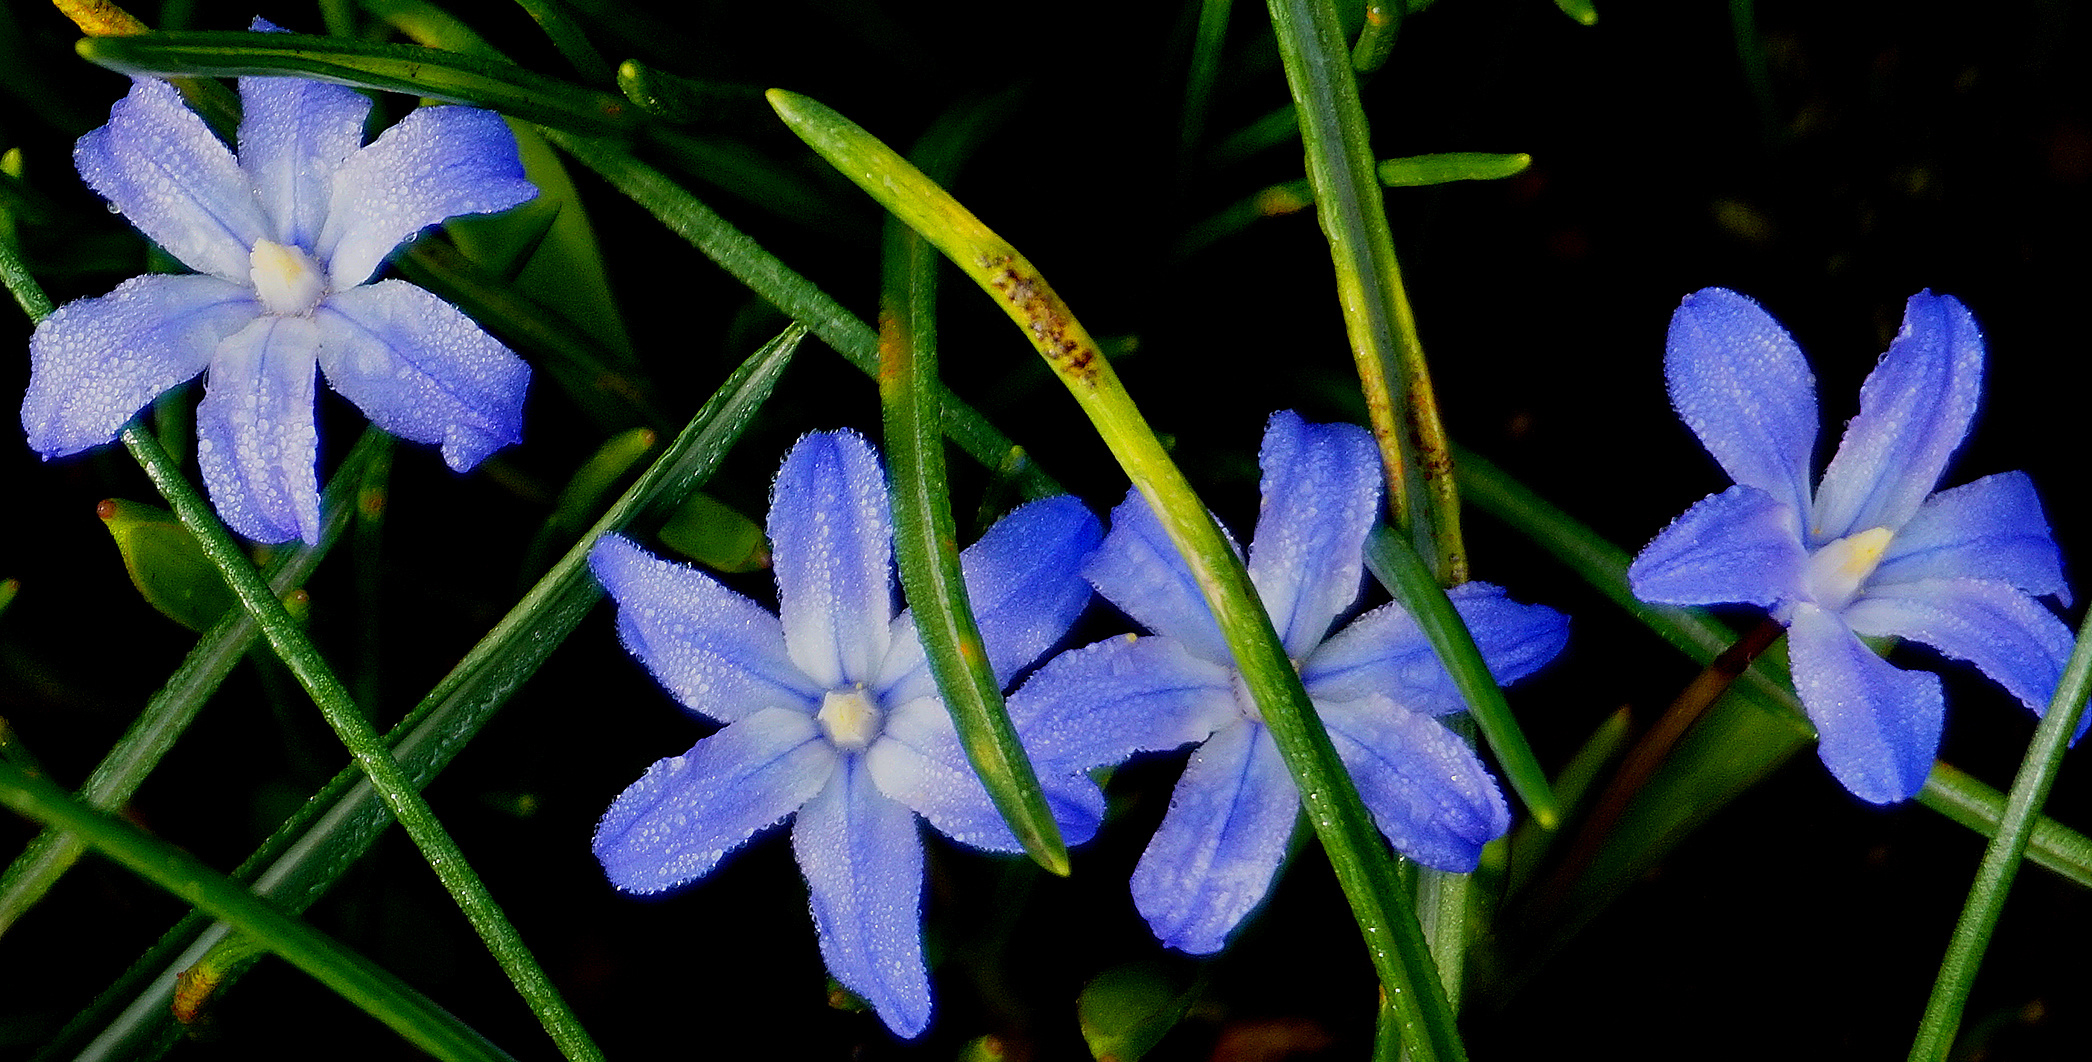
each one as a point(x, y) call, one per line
point(2001, 860)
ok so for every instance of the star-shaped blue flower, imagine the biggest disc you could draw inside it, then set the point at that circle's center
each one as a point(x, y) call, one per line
point(1871, 550)
point(284, 239)
point(1377, 685)
point(831, 711)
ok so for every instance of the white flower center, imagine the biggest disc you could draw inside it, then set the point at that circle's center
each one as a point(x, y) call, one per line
point(1836, 571)
point(849, 718)
point(288, 281)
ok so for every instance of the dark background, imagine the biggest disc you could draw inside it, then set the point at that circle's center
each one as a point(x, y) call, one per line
point(1873, 150)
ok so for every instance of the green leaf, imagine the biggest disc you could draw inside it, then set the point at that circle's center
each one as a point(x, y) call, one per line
point(408, 68)
point(1354, 845)
point(1446, 167)
point(716, 535)
point(1126, 1010)
point(165, 563)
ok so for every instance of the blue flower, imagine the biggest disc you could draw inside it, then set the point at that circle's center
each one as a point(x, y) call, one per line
point(1376, 683)
point(832, 711)
point(1871, 551)
point(284, 239)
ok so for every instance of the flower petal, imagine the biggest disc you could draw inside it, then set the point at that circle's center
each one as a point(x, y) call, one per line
point(2008, 635)
point(1138, 569)
point(687, 812)
point(720, 654)
point(1384, 652)
point(1321, 493)
point(1877, 725)
point(863, 863)
point(1915, 409)
point(832, 546)
point(1739, 382)
point(255, 439)
point(94, 363)
point(435, 163)
point(1024, 583)
point(294, 133)
point(1992, 528)
point(919, 762)
point(1212, 860)
point(1737, 546)
point(160, 165)
point(421, 370)
point(1099, 704)
point(1428, 792)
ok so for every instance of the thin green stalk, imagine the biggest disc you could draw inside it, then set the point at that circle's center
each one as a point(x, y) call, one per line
point(357, 979)
point(401, 797)
point(1354, 845)
point(1398, 568)
point(1392, 374)
point(170, 710)
point(926, 545)
point(2001, 860)
point(333, 828)
point(1208, 42)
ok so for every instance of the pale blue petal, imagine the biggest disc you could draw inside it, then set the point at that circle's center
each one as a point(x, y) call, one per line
point(832, 549)
point(294, 133)
point(1211, 861)
point(1384, 652)
point(2006, 634)
point(1321, 494)
point(1739, 546)
point(435, 163)
point(422, 370)
point(94, 363)
point(919, 762)
point(255, 440)
point(1992, 528)
point(1097, 705)
point(687, 812)
point(1024, 582)
point(1428, 792)
point(1878, 726)
point(1140, 571)
point(159, 164)
point(1739, 382)
point(720, 654)
point(1915, 409)
point(863, 863)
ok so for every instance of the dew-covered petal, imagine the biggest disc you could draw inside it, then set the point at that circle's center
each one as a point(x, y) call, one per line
point(1915, 409)
point(687, 812)
point(1099, 704)
point(918, 761)
point(1426, 789)
point(1212, 859)
point(422, 370)
point(1139, 570)
point(864, 869)
point(294, 134)
point(159, 164)
point(1321, 493)
point(1739, 546)
point(255, 440)
point(720, 654)
point(94, 363)
point(832, 549)
point(1024, 582)
point(2006, 634)
point(1741, 384)
point(1384, 652)
point(435, 163)
point(1992, 528)
point(1878, 726)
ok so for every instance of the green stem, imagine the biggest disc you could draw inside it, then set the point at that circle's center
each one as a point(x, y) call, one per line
point(2001, 860)
point(359, 981)
point(400, 796)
